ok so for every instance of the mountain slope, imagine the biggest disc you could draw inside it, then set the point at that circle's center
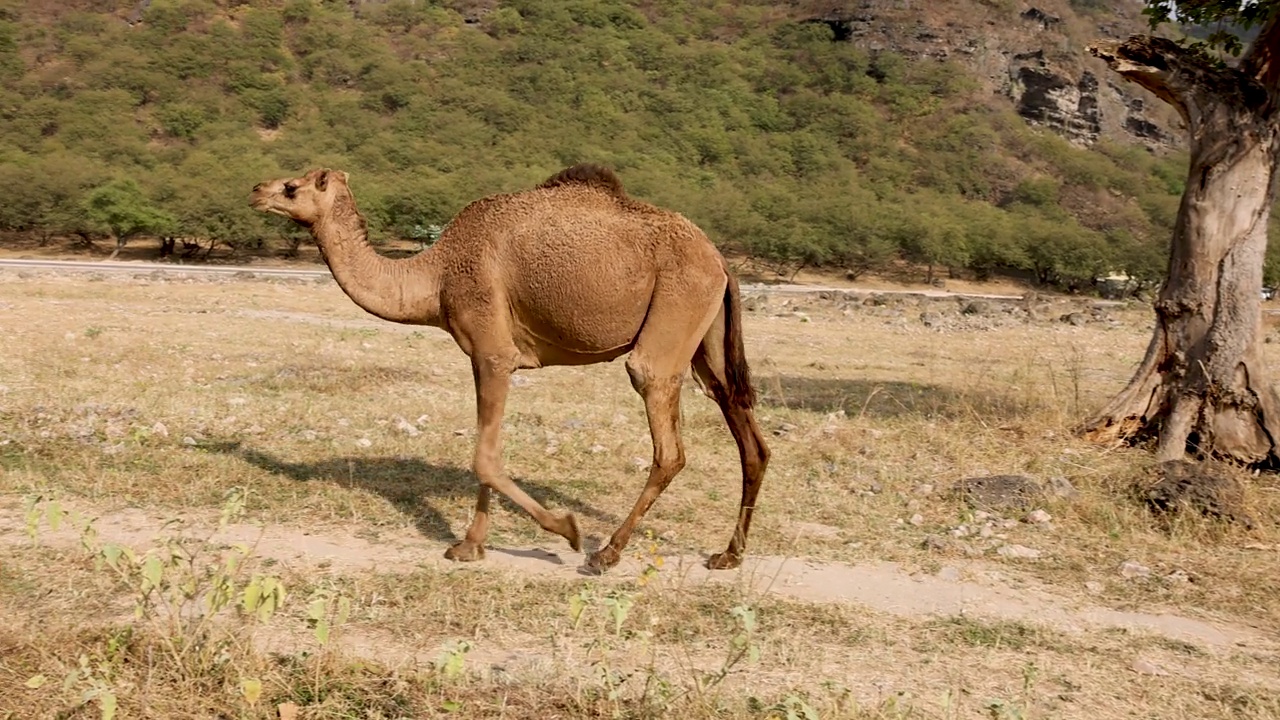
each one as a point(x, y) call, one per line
point(845, 134)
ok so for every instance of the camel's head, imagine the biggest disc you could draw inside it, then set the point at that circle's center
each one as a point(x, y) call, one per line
point(304, 200)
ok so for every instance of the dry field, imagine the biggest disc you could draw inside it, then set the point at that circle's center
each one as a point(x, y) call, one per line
point(222, 434)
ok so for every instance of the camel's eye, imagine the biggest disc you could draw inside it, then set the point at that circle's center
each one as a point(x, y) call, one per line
point(289, 190)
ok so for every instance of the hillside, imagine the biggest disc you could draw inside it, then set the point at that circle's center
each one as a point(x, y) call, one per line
point(976, 135)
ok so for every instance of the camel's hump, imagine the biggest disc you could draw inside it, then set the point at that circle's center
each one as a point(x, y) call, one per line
point(586, 174)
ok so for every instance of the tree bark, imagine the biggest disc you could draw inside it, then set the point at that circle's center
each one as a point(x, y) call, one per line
point(1202, 388)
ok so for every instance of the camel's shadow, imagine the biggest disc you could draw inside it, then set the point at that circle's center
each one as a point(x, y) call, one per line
point(409, 484)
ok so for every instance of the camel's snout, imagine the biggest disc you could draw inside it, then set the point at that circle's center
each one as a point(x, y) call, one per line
point(258, 199)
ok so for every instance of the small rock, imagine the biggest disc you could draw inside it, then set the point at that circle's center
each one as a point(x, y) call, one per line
point(923, 489)
point(783, 429)
point(917, 520)
point(1207, 488)
point(308, 435)
point(343, 422)
point(875, 488)
point(188, 440)
point(596, 449)
point(949, 574)
point(1075, 318)
point(407, 427)
point(999, 492)
point(1094, 586)
point(254, 430)
point(639, 463)
point(1060, 487)
point(1146, 667)
point(976, 307)
point(364, 442)
point(160, 429)
point(1018, 551)
point(930, 319)
point(519, 381)
point(1178, 577)
point(575, 423)
point(1134, 569)
point(1038, 517)
point(936, 542)
point(422, 420)
point(460, 432)
point(961, 531)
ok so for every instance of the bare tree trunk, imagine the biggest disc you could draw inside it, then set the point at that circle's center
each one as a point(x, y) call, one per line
point(1202, 387)
point(120, 241)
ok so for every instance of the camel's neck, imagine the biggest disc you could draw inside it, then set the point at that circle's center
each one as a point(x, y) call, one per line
point(403, 291)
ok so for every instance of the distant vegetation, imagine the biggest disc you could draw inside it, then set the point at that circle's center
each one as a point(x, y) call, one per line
point(779, 141)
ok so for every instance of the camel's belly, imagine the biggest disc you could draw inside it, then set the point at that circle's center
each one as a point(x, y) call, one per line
point(582, 319)
point(587, 300)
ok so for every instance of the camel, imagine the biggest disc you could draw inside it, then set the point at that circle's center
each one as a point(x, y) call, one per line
point(571, 272)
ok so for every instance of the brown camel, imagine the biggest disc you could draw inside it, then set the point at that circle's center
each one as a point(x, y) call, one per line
point(571, 272)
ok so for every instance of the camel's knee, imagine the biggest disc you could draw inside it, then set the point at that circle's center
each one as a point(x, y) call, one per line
point(488, 472)
point(669, 459)
point(638, 374)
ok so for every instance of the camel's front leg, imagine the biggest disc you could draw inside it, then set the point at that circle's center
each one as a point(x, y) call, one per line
point(492, 381)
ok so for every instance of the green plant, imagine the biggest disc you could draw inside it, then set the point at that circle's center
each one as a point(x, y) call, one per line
point(453, 659)
point(183, 590)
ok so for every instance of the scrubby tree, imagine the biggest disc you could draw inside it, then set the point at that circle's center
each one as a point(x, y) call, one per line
point(1203, 389)
point(121, 208)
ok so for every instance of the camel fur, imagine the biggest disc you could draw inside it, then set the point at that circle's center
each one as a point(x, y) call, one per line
point(571, 272)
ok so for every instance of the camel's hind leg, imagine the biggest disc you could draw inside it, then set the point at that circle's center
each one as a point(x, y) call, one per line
point(710, 372)
point(657, 365)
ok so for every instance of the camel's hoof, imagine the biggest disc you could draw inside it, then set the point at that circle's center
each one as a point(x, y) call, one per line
point(724, 561)
point(601, 560)
point(569, 531)
point(465, 552)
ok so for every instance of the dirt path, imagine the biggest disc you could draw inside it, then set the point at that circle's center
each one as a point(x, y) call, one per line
point(962, 588)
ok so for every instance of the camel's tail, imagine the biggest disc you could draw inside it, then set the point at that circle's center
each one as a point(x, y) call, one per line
point(738, 374)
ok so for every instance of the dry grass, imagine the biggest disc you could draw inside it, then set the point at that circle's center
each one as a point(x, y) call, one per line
point(122, 392)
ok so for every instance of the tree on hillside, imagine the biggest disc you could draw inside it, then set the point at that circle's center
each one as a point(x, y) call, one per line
point(122, 209)
point(1202, 388)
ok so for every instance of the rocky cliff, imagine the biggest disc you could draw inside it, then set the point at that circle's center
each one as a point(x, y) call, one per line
point(1032, 55)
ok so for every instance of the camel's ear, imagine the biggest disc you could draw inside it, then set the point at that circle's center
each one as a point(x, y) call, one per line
point(322, 179)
